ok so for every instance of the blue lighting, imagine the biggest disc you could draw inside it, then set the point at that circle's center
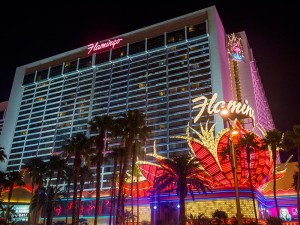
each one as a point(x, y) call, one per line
point(237, 57)
point(178, 206)
point(155, 207)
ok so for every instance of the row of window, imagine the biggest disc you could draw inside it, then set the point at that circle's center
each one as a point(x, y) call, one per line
point(167, 39)
point(65, 128)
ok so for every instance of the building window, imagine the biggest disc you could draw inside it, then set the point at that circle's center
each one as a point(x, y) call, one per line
point(155, 42)
point(141, 85)
point(28, 79)
point(119, 53)
point(175, 36)
point(196, 30)
point(136, 47)
point(162, 93)
point(85, 62)
point(102, 57)
point(41, 75)
point(55, 71)
point(70, 66)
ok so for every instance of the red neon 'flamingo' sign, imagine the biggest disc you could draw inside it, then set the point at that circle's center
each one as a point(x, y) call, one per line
point(97, 46)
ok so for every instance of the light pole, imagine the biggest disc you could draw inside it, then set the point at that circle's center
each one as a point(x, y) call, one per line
point(225, 114)
point(234, 168)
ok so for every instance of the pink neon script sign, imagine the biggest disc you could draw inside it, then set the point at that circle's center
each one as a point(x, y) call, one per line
point(97, 46)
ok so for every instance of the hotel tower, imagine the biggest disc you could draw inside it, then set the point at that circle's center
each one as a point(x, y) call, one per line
point(160, 70)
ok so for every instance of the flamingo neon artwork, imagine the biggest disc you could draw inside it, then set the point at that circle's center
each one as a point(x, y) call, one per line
point(212, 151)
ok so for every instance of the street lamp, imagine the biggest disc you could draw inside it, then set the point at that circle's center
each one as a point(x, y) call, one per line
point(225, 114)
point(234, 167)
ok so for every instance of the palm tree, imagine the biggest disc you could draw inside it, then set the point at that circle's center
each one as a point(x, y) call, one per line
point(273, 220)
point(133, 129)
point(181, 172)
point(99, 125)
point(13, 178)
point(40, 199)
point(68, 177)
point(2, 209)
point(3, 156)
point(296, 186)
point(36, 168)
point(51, 169)
point(137, 174)
point(85, 175)
point(117, 155)
point(59, 165)
point(248, 141)
point(2, 181)
point(2, 184)
point(199, 219)
point(294, 137)
point(143, 134)
point(78, 147)
point(138, 153)
point(273, 139)
point(220, 216)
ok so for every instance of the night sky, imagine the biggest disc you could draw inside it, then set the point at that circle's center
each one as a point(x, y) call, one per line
point(34, 32)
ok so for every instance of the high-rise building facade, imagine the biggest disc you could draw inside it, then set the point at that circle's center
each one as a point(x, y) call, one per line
point(3, 107)
point(158, 70)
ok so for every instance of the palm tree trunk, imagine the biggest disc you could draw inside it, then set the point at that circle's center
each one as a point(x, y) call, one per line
point(298, 184)
point(76, 166)
point(37, 205)
point(100, 148)
point(252, 189)
point(47, 196)
point(182, 217)
point(274, 177)
point(111, 205)
point(274, 191)
point(11, 188)
point(80, 197)
point(46, 213)
point(55, 195)
point(98, 183)
point(49, 209)
point(30, 205)
point(132, 181)
point(137, 201)
point(121, 197)
point(118, 213)
point(113, 191)
point(158, 207)
point(68, 193)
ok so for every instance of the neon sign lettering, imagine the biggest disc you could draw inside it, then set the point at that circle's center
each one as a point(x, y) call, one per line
point(294, 211)
point(214, 107)
point(97, 46)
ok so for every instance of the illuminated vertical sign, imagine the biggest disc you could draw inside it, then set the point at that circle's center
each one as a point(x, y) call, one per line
point(235, 47)
point(98, 46)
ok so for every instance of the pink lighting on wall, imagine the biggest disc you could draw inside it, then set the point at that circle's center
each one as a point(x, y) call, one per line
point(57, 210)
point(98, 46)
